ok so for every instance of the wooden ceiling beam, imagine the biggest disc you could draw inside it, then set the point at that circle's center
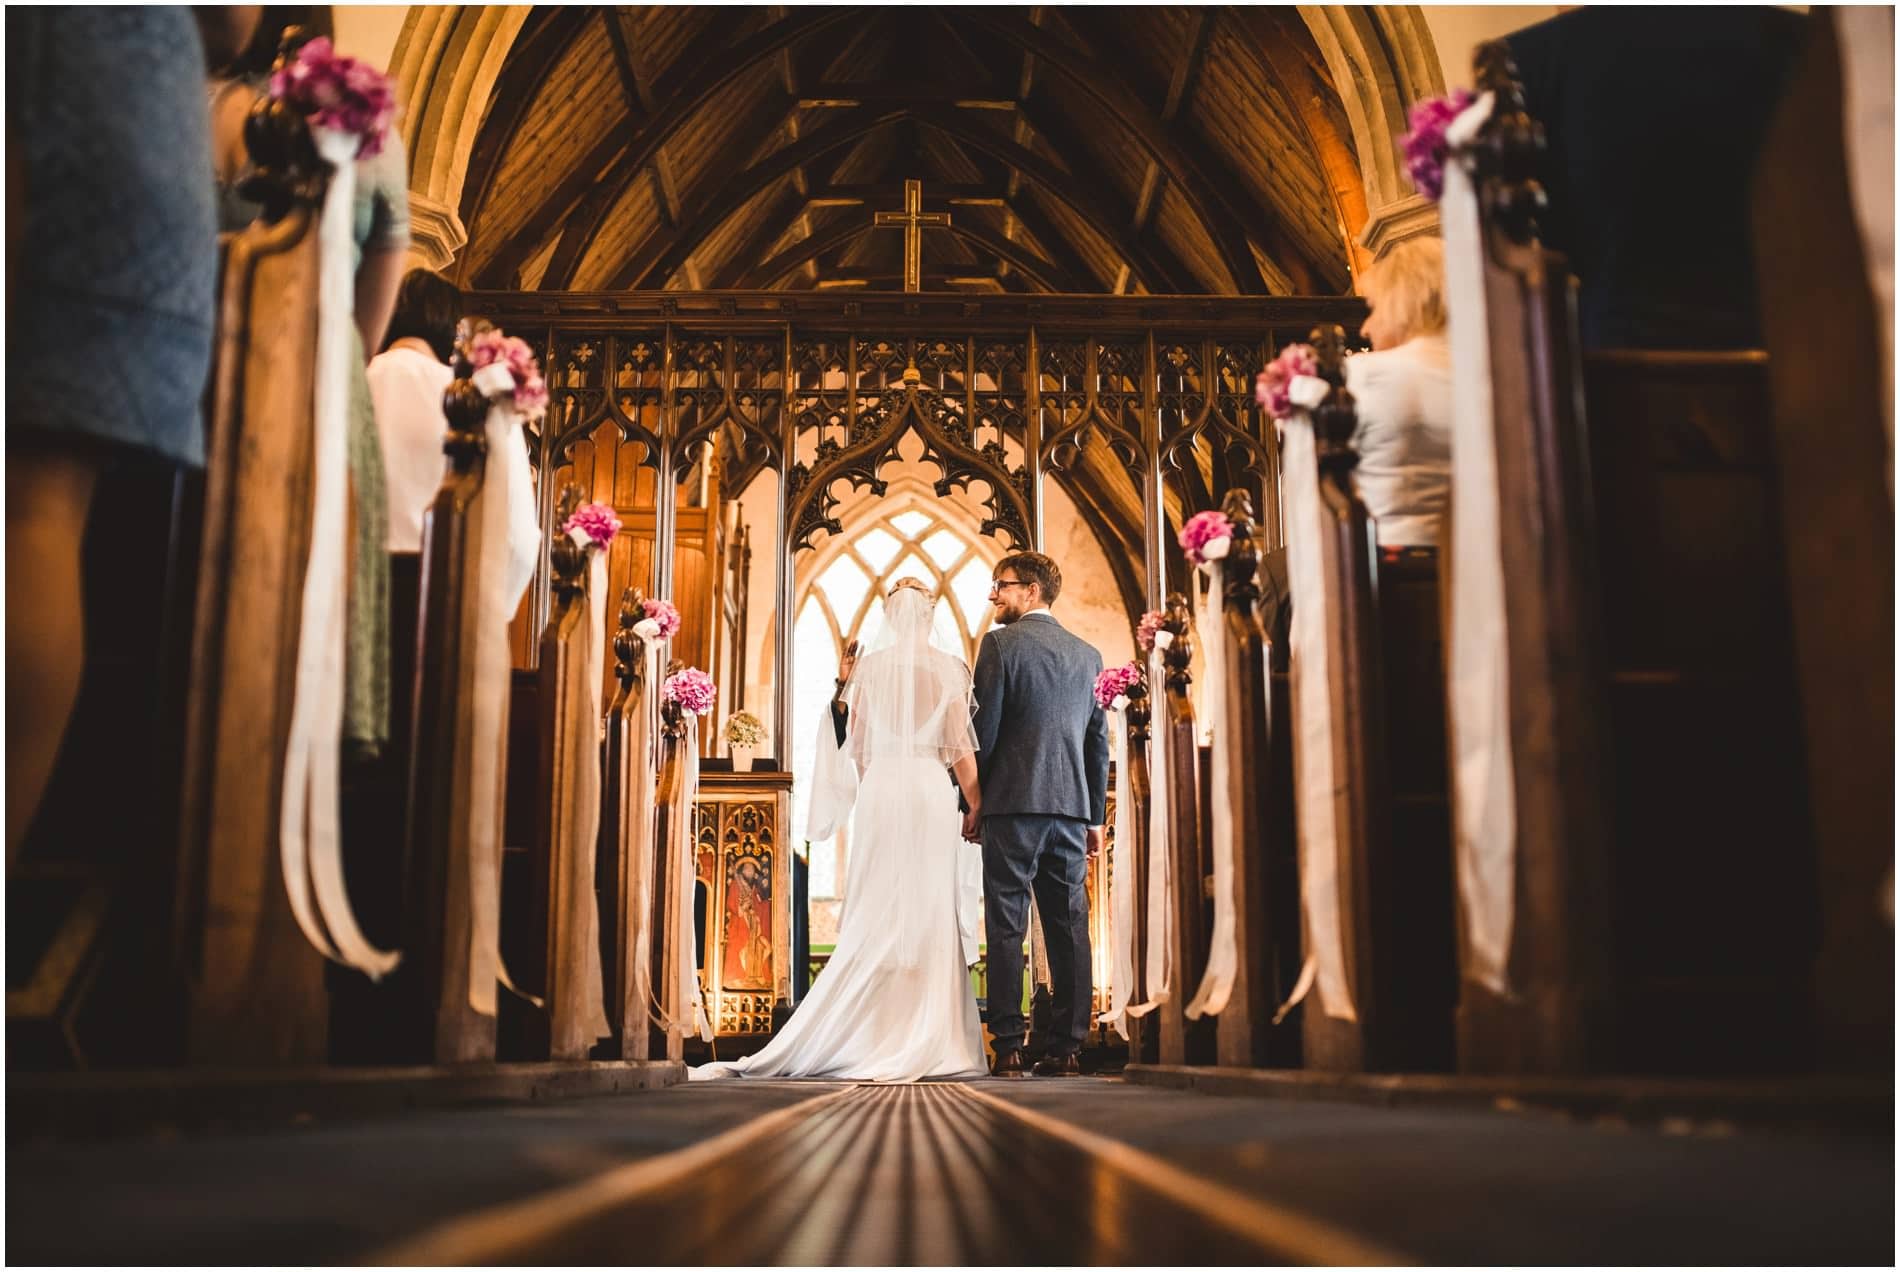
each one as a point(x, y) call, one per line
point(1038, 272)
point(665, 251)
point(783, 213)
point(542, 42)
point(1200, 186)
point(1310, 272)
point(708, 68)
point(877, 93)
point(1154, 262)
point(1281, 51)
point(1186, 71)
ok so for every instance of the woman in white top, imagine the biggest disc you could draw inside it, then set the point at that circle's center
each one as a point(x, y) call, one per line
point(1403, 393)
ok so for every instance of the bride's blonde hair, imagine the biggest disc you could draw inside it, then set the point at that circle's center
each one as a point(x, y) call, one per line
point(918, 584)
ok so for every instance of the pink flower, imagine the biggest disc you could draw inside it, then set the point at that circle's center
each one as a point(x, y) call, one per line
point(1425, 146)
point(339, 93)
point(664, 616)
point(1146, 629)
point(1203, 531)
point(1270, 386)
point(1115, 682)
point(595, 520)
point(531, 391)
point(691, 688)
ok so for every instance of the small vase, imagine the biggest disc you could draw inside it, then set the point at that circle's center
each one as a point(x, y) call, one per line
point(742, 758)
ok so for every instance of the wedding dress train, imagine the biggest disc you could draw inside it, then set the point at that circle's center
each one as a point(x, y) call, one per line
point(894, 1003)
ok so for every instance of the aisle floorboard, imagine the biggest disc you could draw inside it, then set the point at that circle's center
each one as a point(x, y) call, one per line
point(1035, 1172)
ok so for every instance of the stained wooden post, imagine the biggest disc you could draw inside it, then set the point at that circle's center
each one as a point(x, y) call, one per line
point(1144, 1037)
point(1185, 1041)
point(669, 923)
point(570, 739)
point(254, 982)
point(1561, 1013)
point(438, 917)
point(1361, 806)
point(625, 864)
point(1244, 1027)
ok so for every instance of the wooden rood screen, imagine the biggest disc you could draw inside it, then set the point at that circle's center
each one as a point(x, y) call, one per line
point(1142, 408)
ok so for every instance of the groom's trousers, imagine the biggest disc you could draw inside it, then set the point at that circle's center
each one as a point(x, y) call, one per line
point(1022, 852)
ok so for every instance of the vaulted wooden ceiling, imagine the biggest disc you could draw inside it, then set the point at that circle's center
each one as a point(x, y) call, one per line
point(1127, 150)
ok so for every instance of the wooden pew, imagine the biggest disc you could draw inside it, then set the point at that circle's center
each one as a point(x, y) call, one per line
point(626, 861)
point(1393, 838)
point(1144, 1037)
point(1246, 1036)
point(1665, 875)
point(255, 983)
point(667, 1041)
point(550, 933)
point(439, 918)
point(1185, 1041)
point(1830, 389)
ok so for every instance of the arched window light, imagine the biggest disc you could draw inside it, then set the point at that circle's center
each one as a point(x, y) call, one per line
point(842, 599)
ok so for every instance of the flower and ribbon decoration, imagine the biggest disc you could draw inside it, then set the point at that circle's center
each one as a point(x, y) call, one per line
point(1207, 536)
point(506, 364)
point(1272, 388)
point(1427, 145)
point(690, 689)
point(1112, 686)
point(661, 621)
point(745, 729)
point(341, 94)
point(592, 525)
point(1150, 634)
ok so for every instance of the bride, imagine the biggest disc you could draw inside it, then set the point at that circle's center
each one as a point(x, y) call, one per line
point(894, 1003)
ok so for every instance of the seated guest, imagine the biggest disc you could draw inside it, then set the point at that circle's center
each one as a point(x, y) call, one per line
point(1403, 393)
point(112, 256)
point(380, 233)
point(406, 383)
point(1655, 118)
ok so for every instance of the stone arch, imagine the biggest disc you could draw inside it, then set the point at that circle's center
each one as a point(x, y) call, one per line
point(448, 57)
point(446, 62)
point(1382, 59)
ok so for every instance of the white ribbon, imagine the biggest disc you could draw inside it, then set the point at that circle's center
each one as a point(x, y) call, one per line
point(1160, 926)
point(1314, 780)
point(640, 861)
point(501, 573)
point(685, 1006)
point(309, 839)
point(1121, 890)
point(581, 899)
point(1484, 797)
point(1223, 954)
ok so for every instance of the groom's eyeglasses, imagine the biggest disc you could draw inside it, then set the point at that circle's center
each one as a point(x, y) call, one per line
point(997, 585)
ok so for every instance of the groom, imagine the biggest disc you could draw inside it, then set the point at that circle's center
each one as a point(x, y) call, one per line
point(1042, 767)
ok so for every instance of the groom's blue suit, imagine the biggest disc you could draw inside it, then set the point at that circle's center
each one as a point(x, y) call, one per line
point(1042, 762)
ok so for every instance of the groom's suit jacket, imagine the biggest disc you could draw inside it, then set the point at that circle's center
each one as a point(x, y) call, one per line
point(1042, 742)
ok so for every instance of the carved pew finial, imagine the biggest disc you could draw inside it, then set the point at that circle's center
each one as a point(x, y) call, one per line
point(1243, 556)
point(1177, 618)
point(569, 559)
point(1509, 147)
point(286, 171)
point(1336, 419)
point(628, 665)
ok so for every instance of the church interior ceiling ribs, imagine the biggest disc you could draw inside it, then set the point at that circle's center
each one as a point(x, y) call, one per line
point(1126, 151)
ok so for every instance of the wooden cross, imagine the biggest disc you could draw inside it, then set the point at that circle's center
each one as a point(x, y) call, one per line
point(913, 218)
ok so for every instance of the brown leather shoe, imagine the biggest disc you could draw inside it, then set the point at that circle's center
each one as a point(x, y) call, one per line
point(1009, 1064)
point(1058, 1067)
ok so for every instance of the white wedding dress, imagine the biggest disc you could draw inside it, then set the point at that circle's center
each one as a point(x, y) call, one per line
point(894, 1003)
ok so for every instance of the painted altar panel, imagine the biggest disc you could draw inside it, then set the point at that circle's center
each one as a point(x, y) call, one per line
point(746, 970)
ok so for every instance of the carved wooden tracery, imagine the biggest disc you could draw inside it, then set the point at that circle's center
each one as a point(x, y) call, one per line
point(1141, 407)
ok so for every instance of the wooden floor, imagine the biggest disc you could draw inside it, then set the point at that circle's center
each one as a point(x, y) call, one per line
point(1084, 1171)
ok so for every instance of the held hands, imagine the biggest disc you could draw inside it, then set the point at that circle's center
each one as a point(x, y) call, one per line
point(1096, 838)
point(973, 824)
point(848, 663)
